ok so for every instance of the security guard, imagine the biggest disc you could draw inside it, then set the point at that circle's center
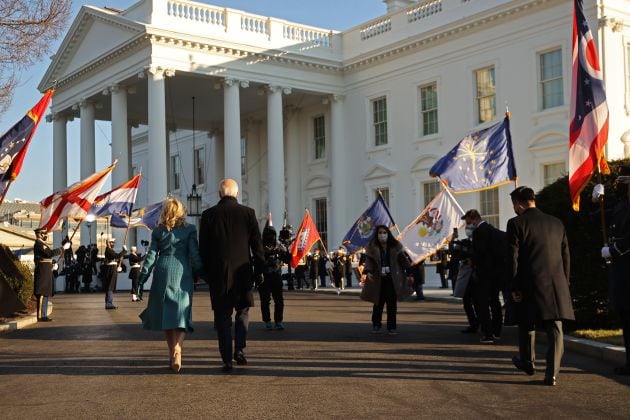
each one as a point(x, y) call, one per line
point(618, 253)
point(43, 274)
point(110, 272)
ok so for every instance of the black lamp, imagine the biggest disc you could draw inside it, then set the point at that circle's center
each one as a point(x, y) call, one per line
point(194, 202)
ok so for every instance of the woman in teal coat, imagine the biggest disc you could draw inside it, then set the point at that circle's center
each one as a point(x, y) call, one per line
point(173, 258)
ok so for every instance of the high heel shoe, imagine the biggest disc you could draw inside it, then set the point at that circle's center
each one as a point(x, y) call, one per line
point(176, 364)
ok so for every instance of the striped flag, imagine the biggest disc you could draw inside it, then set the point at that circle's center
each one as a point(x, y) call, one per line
point(306, 237)
point(588, 130)
point(74, 201)
point(148, 217)
point(120, 200)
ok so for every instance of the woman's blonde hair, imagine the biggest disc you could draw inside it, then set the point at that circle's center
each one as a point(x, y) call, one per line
point(173, 213)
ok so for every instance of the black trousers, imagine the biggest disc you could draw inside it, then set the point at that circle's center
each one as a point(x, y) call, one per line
point(555, 344)
point(223, 324)
point(489, 310)
point(625, 325)
point(470, 305)
point(387, 296)
point(271, 287)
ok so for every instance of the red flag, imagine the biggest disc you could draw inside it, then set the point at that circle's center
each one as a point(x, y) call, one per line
point(306, 237)
point(14, 143)
point(74, 201)
point(588, 131)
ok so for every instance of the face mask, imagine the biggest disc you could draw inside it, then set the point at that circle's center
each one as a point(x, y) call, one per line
point(44, 237)
point(382, 237)
point(469, 231)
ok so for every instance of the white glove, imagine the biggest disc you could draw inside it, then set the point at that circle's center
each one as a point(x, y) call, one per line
point(55, 267)
point(67, 245)
point(124, 247)
point(598, 192)
point(605, 252)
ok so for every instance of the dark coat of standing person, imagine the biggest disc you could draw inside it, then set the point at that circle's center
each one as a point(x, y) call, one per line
point(135, 265)
point(538, 269)
point(174, 259)
point(232, 254)
point(313, 267)
point(388, 278)
point(110, 271)
point(275, 256)
point(43, 274)
point(618, 253)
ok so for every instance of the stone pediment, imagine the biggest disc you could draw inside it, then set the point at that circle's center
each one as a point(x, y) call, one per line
point(549, 139)
point(318, 181)
point(424, 163)
point(379, 171)
point(93, 34)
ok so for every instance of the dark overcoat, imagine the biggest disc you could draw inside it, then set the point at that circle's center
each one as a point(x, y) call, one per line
point(398, 265)
point(110, 271)
point(619, 269)
point(43, 274)
point(489, 252)
point(538, 266)
point(231, 250)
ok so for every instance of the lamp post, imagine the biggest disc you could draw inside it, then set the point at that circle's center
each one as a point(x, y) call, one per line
point(89, 219)
point(194, 199)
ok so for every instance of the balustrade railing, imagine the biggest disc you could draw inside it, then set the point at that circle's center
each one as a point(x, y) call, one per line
point(303, 34)
point(424, 10)
point(196, 12)
point(376, 28)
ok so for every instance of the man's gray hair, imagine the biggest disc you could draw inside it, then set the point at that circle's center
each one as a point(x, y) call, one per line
point(228, 188)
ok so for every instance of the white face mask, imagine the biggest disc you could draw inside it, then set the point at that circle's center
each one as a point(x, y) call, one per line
point(382, 237)
point(469, 231)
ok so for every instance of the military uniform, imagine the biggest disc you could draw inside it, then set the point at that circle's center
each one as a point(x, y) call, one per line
point(135, 265)
point(43, 274)
point(275, 256)
point(313, 268)
point(110, 274)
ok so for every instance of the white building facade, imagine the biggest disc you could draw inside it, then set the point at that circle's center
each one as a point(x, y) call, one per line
point(311, 118)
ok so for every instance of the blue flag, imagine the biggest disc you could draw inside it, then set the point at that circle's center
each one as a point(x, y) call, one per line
point(148, 217)
point(363, 229)
point(479, 161)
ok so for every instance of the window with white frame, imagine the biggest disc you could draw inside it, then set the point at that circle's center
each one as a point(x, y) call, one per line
point(486, 95)
point(430, 190)
point(489, 206)
point(243, 157)
point(429, 109)
point(200, 166)
point(551, 89)
point(379, 119)
point(319, 136)
point(553, 171)
point(384, 191)
point(175, 172)
point(321, 218)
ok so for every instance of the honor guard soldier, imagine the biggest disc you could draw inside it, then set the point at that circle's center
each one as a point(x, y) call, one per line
point(313, 267)
point(110, 272)
point(43, 274)
point(135, 265)
point(617, 252)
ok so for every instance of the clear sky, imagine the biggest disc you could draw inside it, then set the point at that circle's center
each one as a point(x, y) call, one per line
point(35, 180)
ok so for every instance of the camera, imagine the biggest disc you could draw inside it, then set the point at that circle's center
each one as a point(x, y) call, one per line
point(144, 243)
point(286, 235)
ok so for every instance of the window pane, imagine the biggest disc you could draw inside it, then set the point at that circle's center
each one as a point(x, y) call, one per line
point(380, 121)
point(489, 206)
point(553, 171)
point(430, 190)
point(199, 167)
point(486, 94)
point(243, 156)
point(321, 219)
point(429, 112)
point(384, 192)
point(319, 128)
point(551, 79)
point(175, 171)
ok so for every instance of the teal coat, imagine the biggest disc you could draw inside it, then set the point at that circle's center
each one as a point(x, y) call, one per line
point(173, 258)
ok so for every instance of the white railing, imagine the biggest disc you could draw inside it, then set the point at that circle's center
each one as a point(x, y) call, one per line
point(424, 10)
point(196, 12)
point(376, 28)
point(303, 34)
point(255, 24)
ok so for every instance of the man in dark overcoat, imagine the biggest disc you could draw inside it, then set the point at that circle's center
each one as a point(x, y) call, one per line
point(43, 274)
point(231, 249)
point(618, 253)
point(538, 270)
point(110, 271)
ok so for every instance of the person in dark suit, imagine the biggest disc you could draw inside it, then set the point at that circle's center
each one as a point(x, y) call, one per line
point(538, 269)
point(489, 274)
point(313, 267)
point(617, 252)
point(43, 274)
point(110, 272)
point(229, 242)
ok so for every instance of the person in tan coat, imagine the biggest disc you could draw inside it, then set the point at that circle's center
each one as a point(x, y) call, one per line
point(388, 277)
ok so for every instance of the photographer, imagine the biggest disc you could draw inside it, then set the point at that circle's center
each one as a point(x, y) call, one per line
point(461, 252)
point(275, 256)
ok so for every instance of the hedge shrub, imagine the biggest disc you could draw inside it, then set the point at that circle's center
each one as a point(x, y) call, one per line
point(16, 274)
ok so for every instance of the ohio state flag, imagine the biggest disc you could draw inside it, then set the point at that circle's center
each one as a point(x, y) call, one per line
point(306, 237)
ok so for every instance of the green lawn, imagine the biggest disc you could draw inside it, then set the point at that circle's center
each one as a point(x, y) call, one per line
point(605, 336)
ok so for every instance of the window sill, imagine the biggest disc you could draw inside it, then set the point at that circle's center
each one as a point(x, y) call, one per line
point(377, 149)
point(557, 111)
point(428, 138)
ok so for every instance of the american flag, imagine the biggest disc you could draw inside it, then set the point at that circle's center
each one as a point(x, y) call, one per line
point(588, 131)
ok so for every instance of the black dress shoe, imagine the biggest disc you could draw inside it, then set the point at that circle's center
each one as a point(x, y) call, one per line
point(239, 356)
point(469, 330)
point(528, 368)
point(45, 319)
point(111, 307)
point(550, 381)
point(227, 367)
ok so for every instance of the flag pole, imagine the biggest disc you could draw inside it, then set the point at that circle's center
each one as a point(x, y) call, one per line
point(507, 115)
point(5, 191)
point(602, 209)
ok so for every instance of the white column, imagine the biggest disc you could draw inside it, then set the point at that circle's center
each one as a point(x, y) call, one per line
point(120, 148)
point(336, 205)
point(60, 160)
point(275, 153)
point(293, 160)
point(232, 128)
point(157, 177)
point(253, 165)
point(88, 161)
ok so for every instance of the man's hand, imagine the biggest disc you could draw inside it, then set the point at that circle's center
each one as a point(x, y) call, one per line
point(606, 253)
point(598, 193)
point(517, 296)
point(124, 248)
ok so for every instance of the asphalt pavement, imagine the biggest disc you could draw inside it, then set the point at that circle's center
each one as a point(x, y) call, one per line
point(93, 363)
